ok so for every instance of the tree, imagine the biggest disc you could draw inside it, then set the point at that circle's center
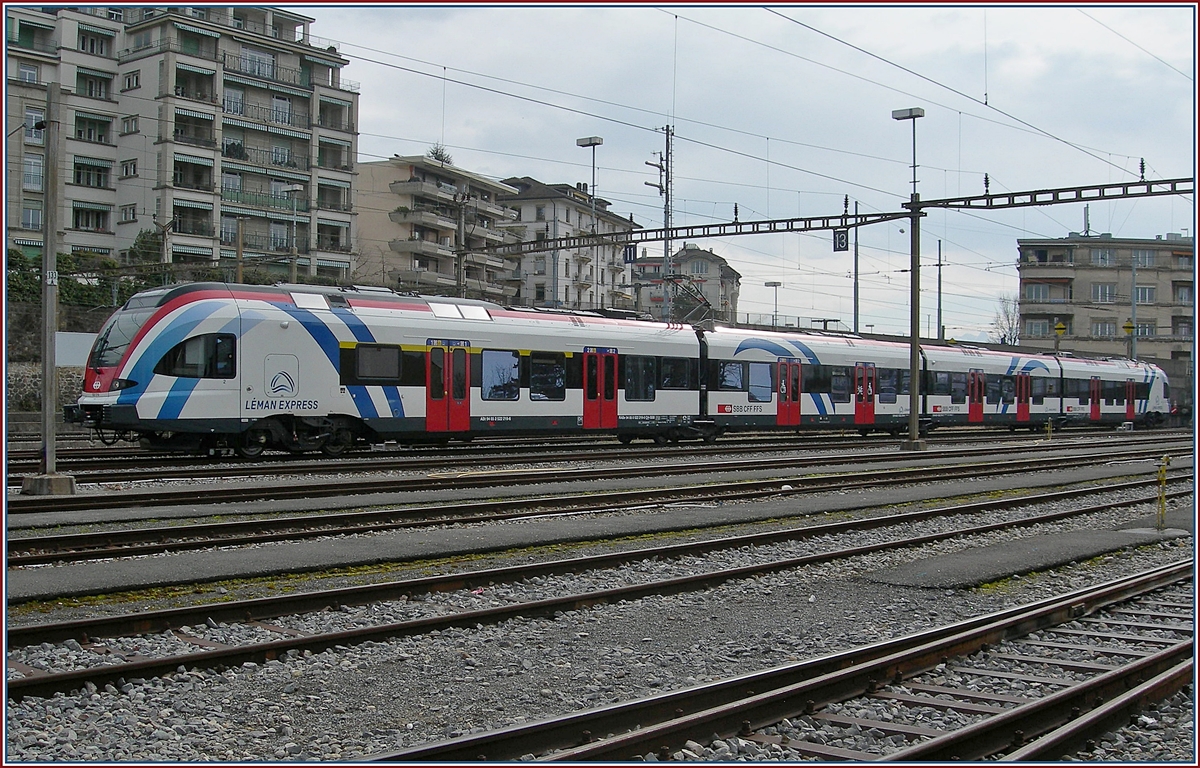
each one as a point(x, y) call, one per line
point(440, 154)
point(1006, 327)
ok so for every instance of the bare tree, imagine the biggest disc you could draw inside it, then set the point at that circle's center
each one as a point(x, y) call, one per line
point(440, 154)
point(1006, 327)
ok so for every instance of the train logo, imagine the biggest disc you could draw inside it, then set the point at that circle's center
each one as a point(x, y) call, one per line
point(282, 384)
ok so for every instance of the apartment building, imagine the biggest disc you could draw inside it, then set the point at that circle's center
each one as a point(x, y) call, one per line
point(1099, 288)
point(695, 272)
point(185, 120)
point(421, 221)
point(588, 277)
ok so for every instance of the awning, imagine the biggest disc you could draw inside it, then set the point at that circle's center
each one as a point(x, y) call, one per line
point(299, 218)
point(190, 113)
point(339, 102)
point(99, 30)
point(268, 85)
point(235, 210)
point(197, 70)
point(181, 203)
point(326, 62)
point(191, 250)
point(332, 223)
point(94, 116)
point(338, 142)
point(240, 123)
point(99, 163)
point(33, 243)
point(273, 172)
point(246, 255)
point(95, 73)
point(334, 183)
point(39, 25)
point(88, 205)
point(90, 249)
point(196, 30)
point(286, 132)
point(334, 264)
point(193, 159)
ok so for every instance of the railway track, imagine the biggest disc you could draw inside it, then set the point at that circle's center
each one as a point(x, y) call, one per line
point(109, 658)
point(1103, 653)
point(214, 494)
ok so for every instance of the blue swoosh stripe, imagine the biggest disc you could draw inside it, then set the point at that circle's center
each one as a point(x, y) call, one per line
point(181, 390)
point(363, 333)
point(176, 331)
point(804, 349)
point(764, 345)
point(819, 402)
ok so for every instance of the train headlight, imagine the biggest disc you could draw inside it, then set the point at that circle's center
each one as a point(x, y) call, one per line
point(121, 384)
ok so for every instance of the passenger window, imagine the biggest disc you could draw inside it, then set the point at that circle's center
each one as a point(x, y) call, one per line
point(1008, 389)
point(839, 384)
point(592, 378)
point(211, 356)
point(886, 384)
point(817, 379)
point(377, 363)
point(1037, 389)
point(459, 379)
point(676, 373)
point(437, 379)
point(941, 383)
point(639, 378)
point(547, 376)
point(732, 377)
point(958, 387)
point(501, 375)
point(762, 385)
point(993, 390)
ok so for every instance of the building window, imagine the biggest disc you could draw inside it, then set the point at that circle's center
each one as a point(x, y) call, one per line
point(143, 39)
point(116, 14)
point(128, 213)
point(1146, 328)
point(229, 227)
point(27, 73)
point(539, 292)
point(1037, 328)
point(97, 45)
point(279, 236)
point(32, 118)
point(1143, 257)
point(1103, 257)
point(1104, 328)
point(1183, 328)
point(1104, 293)
point(1183, 294)
point(540, 213)
point(87, 129)
point(90, 175)
point(1183, 262)
point(699, 267)
point(129, 125)
point(133, 80)
point(234, 102)
point(31, 215)
point(94, 221)
point(128, 168)
point(281, 109)
point(1037, 292)
point(1144, 294)
point(231, 181)
point(93, 87)
point(32, 179)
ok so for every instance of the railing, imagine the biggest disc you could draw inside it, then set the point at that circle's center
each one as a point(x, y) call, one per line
point(225, 17)
point(162, 46)
point(263, 199)
point(266, 114)
point(335, 164)
point(253, 241)
point(43, 46)
point(201, 186)
point(194, 94)
point(267, 70)
point(265, 157)
point(183, 137)
point(327, 243)
point(343, 84)
point(183, 227)
point(337, 124)
point(333, 205)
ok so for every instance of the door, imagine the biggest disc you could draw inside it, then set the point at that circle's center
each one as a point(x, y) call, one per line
point(447, 390)
point(864, 393)
point(1094, 397)
point(1023, 386)
point(787, 411)
point(1130, 407)
point(599, 390)
point(976, 387)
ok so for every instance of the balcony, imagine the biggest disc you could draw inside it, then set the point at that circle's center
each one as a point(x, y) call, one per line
point(194, 138)
point(46, 45)
point(334, 244)
point(258, 241)
point(423, 217)
point(492, 209)
point(420, 277)
point(326, 204)
point(265, 114)
point(265, 70)
point(163, 46)
point(425, 189)
point(268, 158)
point(196, 92)
point(336, 123)
point(335, 163)
point(263, 200)
point(484, 260)
point(185, 227)
point(420, 248)
point(489, 235)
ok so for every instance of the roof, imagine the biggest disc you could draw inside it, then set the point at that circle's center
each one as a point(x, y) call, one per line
point(530, 189)
point(428, 163)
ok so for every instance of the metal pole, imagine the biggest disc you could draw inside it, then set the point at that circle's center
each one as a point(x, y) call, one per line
point(856, 269)
point(914, 442)
point(595, 266)
point(941, 334)
point(1133, 311)
point(240, 257)
point(667, 224)
point(460, 269)
point(293, 259)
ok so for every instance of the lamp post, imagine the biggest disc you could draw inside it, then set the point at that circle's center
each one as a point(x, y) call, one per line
point(593, 142)
point(914, 443)
point(775, 315)
point(292, 191)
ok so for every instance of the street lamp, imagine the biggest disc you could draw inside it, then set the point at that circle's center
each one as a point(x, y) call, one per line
point(775, 316)
point(292, 190)
point(593, 142)
point(914, 443)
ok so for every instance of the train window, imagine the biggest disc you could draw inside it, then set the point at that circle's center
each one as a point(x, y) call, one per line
point(839, 384)
point(1008, 389)
point(905, 378)
point(676, 373)
point(1113, 392)
point(958, 387)
point(211, 356)
point(639, 377)
point(591, 378)
point(458, 376)
point(762, 384)
point(610, 377)
point(993, 389)
point(885, 384)
point(501, 375)
point(816, 379)
point(731, 377)
point(1037, 389)
point(547, 376)
point(941, 383)
point(1141, 391)
point(437, 378)
point(1051, 387)
point(120, 329)
point(377, 363)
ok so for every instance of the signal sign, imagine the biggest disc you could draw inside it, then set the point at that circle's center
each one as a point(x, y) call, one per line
point(841, 240)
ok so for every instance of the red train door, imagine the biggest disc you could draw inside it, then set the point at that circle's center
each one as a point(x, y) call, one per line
point(447, 390)
point(599, 390)
point(1094, 397)
point(787, 412)
point(1129, 401)
point(976, 386)
point(1023, 387)
point(864, 393)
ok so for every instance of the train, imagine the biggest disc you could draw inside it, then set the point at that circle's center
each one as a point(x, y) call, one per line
point(222, 368)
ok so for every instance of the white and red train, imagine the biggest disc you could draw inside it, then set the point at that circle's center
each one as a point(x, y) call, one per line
point(214, 367)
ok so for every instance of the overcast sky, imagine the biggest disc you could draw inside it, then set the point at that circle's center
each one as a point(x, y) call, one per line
point(786, 110)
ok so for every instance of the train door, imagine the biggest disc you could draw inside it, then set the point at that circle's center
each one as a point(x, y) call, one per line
point(1094, 397)
point(1129, 400)
point(976, 387)
point(447, 389)
point(787, 412)
point(864, 393)
point(599, 390)
point(1023, 386)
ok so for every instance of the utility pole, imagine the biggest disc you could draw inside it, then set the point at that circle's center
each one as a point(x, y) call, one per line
point(664, 188)
point(240, 257)
point(460, 253)
point(914, 442)
point(856, 269)
point(49, 482)
point(941, 335)
point(1133, 309)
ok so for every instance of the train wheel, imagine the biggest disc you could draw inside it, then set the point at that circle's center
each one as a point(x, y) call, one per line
point(250, 444)
point(710, 437)
point(625, 439)
point(660, 439)
point(338, 443)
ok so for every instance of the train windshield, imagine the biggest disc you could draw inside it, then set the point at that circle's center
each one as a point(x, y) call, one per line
point(116, 335)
